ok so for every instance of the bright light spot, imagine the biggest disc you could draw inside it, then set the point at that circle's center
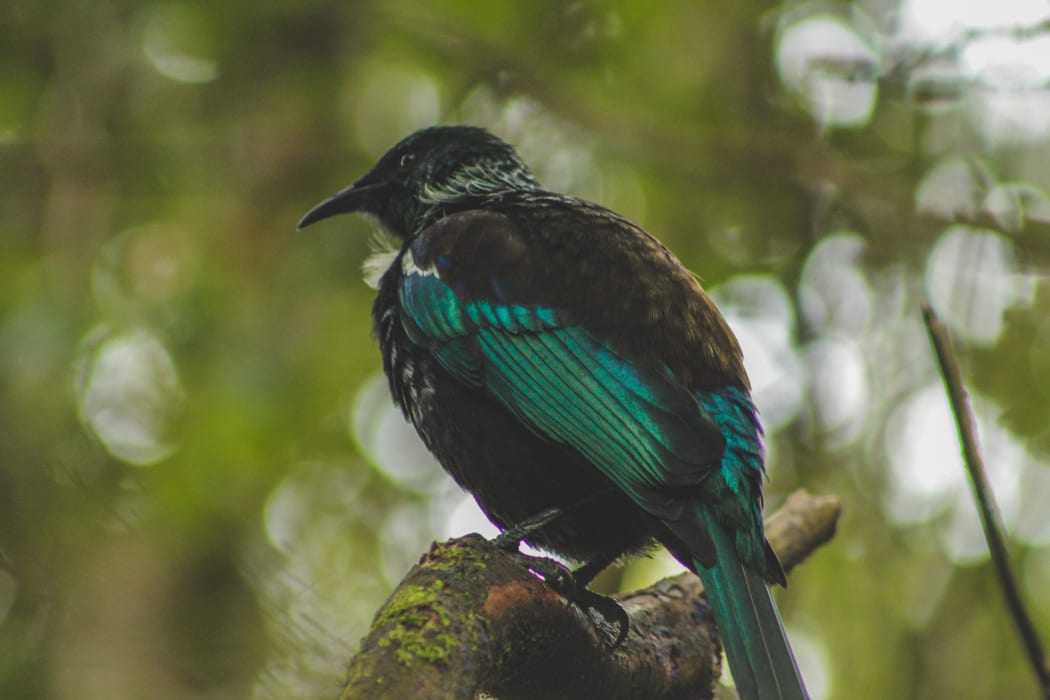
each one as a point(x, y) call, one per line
point(466, 517)
point(1005, 62)
point(963, 538)
point(936, 85)
point(172, 41)
point(839, 387)
point(1006, 461)
point(762, 317)
point(831, 67)
point(535, 132)
point(1002, 74)
point(151, 264)
point(389, 442)
point(129, 396)
point(1014, 204)
point(972, 279)
point(927, 475)
point(952, 189)
point(402, 538)
point(1010, 117)
point(393, 101)
point(941, 20)
point(834, 292)
point(1010, 471)
point(566, 168)
point(321, 587)
point(923, 450)
point(306, 495)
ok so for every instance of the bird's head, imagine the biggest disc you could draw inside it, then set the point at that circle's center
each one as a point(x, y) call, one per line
point(430, 169)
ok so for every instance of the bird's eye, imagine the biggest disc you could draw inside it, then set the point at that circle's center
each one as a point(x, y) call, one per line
point(407, 159)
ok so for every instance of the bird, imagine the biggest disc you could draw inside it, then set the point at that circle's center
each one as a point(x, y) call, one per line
point(566, 369)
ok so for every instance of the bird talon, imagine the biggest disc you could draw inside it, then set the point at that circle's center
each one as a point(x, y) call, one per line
point(608, 609)
point(555, 574)
point(568, 585)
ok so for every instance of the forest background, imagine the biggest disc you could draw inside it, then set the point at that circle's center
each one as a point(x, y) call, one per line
point(204, 489)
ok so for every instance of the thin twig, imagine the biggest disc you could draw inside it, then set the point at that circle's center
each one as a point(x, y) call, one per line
point(990, 520)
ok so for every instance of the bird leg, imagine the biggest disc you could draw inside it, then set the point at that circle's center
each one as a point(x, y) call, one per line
point(554, 573)
point(571, 585)
point(587, 600)
point(510, 539)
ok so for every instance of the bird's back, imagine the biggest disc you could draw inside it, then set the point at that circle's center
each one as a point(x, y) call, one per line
point(600, 273)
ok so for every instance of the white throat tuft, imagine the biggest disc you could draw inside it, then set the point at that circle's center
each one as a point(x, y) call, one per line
point(384, 250)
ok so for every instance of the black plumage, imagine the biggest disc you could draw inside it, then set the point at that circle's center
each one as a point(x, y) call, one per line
point(551, 354)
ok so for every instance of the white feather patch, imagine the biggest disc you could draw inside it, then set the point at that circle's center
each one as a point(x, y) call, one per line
point(384, 250)
point(408, 266)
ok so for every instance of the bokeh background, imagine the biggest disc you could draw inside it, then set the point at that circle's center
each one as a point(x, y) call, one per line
point(204, 490)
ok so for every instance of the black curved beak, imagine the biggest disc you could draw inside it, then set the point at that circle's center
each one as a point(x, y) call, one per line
point(356, 197)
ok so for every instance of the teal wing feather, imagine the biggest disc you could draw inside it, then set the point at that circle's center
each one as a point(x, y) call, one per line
point(639, 426)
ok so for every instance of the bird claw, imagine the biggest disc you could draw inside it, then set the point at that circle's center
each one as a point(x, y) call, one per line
point(553, 573)
point(608, 609)
point(571, 585)
point(564, 582)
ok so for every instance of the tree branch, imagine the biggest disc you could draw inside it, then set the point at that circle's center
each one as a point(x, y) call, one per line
point(990, 520)
point(470, 618)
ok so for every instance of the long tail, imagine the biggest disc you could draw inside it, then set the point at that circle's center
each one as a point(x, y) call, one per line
point(759, 654)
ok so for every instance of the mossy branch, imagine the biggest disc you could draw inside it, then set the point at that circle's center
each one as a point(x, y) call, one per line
point(469, 619)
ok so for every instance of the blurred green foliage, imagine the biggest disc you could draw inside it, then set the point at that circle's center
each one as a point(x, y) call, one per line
point(203, 489)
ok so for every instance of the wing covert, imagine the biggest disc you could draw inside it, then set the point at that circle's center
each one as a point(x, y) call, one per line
point(639, 426)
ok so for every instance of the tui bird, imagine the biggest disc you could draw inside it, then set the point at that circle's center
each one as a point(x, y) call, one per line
point(566, 369)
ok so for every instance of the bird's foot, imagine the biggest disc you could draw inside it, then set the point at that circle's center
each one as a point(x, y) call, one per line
point(609, 609)
point(552, 572)
point(568, 585)
point(571, 585)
